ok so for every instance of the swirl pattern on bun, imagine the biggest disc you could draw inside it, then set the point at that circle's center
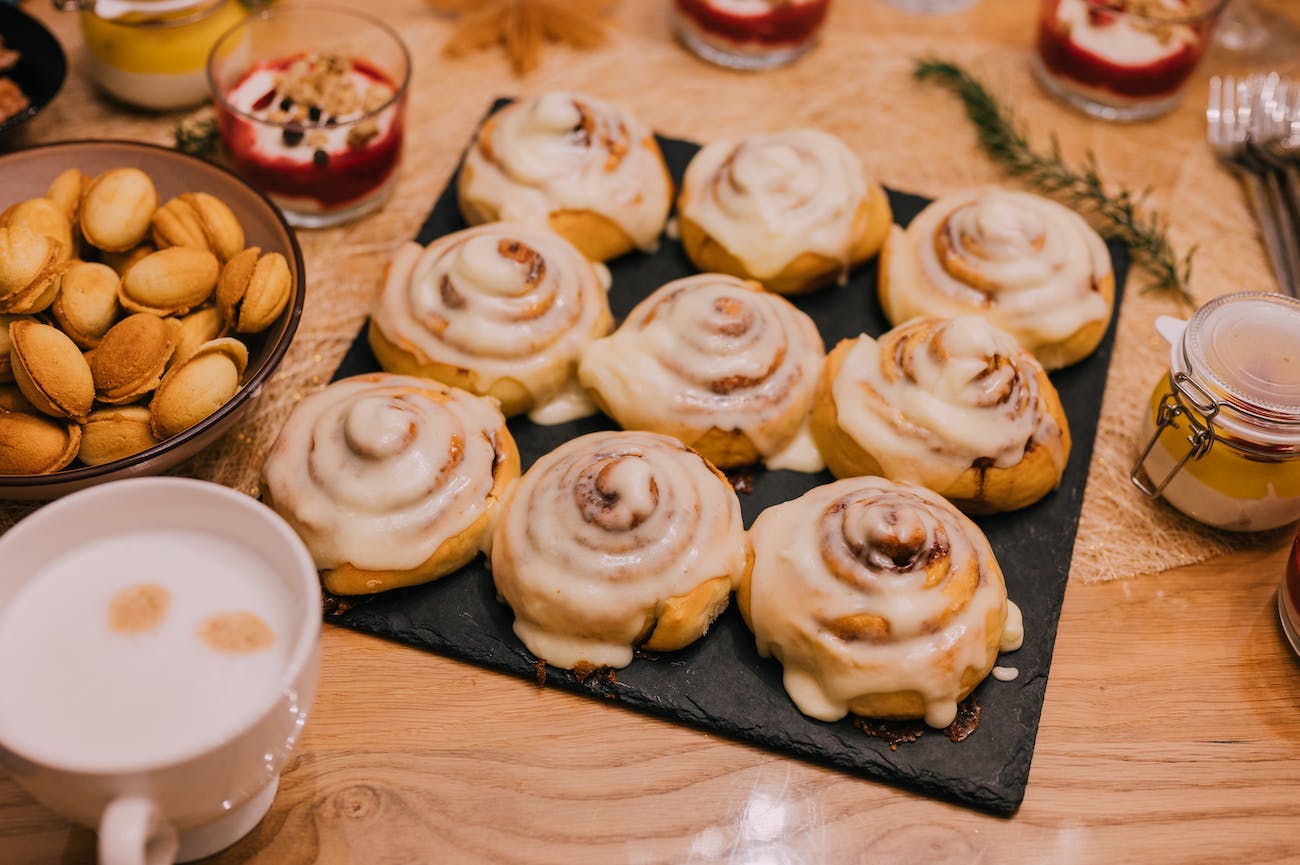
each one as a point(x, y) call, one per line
point(616, 541)
point(952, 404)
point(716, 362)
point(390, 480)
point(878, 598)
point(501, 310)
point(571, 163)
point(793, 210)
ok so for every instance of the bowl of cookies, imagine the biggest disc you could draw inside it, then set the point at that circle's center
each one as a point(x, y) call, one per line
point(145, 298)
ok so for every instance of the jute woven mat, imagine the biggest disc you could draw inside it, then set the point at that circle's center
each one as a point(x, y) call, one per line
point(857, 84)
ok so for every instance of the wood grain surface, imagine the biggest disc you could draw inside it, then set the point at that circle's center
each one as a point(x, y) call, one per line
point(1171, 730)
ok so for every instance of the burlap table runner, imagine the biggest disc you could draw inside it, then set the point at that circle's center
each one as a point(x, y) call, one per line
point(857, 84)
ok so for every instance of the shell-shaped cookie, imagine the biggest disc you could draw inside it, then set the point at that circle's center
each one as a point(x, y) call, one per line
point(86, 305)
point(254, 289)
point(116, 209)
point(43, 217)
point(115, 433)
point(29, 266)
point(170, 281)
point(32, 444)
point(130, 359)
point(66, 191)
point(50, 370)
point(121, 262)
point(202, 325)
point(200, 221)
point(195, 388)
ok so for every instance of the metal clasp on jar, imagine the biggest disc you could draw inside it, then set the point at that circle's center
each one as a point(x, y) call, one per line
point(1191, 401)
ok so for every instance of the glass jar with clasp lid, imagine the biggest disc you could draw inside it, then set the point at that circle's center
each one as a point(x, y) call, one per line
point(152, 53)
point(1222, 431)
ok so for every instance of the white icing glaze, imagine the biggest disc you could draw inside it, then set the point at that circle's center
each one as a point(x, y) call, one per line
point(1013, 633)
point(1119, 38)
point(379, 470)
point(1038, 263)
point(569, 403)
point(871, 547)
point(563, 151)
point(603, 530)
point(709, 351)
point(931, 397)
point(769, 198)
point(501, 300)
point(1005, 674)
point(800, 455)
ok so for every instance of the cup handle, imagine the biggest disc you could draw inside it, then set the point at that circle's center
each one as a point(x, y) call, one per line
point(132, 831)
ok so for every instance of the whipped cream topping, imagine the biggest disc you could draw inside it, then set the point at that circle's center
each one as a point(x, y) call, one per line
point(603, 530)
point(769, 198)
point(710, 351)
point(933, 396)
point(561, 151)
point(1121, 38)
point(501, 300)
point(869, 587)
point(379, 470)
point(1027, 263)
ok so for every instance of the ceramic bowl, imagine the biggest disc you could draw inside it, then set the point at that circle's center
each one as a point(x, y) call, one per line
point(27, 173)
point(41, 67)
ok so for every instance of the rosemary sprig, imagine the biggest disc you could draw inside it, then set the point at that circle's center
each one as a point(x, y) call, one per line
point(197, 133)
point(1003, 139)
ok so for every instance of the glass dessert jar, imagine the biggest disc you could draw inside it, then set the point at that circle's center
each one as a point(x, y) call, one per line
point(749, 34)
point(152, 53)
point(1121, 59)
point(311, 105)
point(1223, 430)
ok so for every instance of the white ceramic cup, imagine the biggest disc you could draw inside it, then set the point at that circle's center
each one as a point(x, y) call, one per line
point(209, 794)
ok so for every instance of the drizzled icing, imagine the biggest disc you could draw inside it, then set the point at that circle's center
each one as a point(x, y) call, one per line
point(563, 151)
point(868, 587)
point(603, 530)
point(769, 198)
point(379, 470)
point(932, 397)
point(710, 351)
point(1030, 265)
point(501, 300)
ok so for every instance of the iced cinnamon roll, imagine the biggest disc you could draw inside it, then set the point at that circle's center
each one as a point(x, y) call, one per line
point(718, 363)
point(793, 210)
point(952, 404)
point(579, 166)
point(390, 480)
point(501, 310)
point(616, 541)
point(878, 598)
point(1031, 266)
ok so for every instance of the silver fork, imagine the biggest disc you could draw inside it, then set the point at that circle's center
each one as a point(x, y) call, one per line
point(1276, 133)
point(1227, 128)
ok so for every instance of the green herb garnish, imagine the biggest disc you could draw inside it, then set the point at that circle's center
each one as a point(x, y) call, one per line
point(1003, 139)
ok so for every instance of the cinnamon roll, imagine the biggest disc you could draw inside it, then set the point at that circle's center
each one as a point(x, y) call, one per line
point(952, 404)
point(793, 210)
point(717, 362)
point(501, 310)
point(579, 166)
point(1031, 266)
point(390, 480)
point(878, 598)
point(616, 541)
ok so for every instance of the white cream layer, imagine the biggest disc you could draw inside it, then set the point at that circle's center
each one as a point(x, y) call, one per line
point(1120, 40)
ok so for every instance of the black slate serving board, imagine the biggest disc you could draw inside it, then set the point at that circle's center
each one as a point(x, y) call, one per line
point(720, 683)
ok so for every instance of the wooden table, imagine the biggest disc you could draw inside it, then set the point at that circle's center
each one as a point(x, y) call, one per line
point(1171, 730)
